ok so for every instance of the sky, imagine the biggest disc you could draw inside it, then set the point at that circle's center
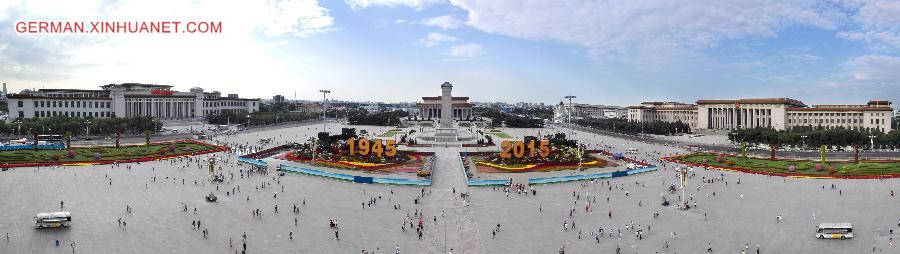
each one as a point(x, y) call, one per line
point(611, 52)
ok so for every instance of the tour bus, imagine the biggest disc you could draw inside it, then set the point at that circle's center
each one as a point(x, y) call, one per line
point(834, 230)
point(50, 137)
point(52, 220)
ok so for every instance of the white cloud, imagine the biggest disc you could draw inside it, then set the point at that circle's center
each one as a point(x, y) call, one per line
point(298, 17)
point(467, 50)
point(240, 54)
point(879, 69)
point(418, 4)
point(444, 22)
point(436, 38)
point(654, 29)
point(879, 22)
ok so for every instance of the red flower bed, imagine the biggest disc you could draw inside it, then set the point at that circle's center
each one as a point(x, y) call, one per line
point(144, 159)
point(795, 175)
point(417, 158)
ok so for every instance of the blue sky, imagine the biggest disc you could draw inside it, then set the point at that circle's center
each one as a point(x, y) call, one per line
point(604, 52)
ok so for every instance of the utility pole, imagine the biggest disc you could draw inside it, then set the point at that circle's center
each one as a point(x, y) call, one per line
point(324, 107)
point(569, 113)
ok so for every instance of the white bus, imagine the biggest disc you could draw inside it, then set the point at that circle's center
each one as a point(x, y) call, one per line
point(834, 230)
point(52, 220)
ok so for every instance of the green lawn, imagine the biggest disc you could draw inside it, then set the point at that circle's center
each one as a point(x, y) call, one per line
point(801, 166)
point(86, 154)
point(500, 134)
point(391, 133)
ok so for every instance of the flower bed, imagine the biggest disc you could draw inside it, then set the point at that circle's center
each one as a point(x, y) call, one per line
point(79, 156)
point(489, 162)
point(414, 162)
point(538, 167)
point(792, 168)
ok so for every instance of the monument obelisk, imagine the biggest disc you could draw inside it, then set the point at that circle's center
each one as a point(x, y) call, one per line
point(446, 105)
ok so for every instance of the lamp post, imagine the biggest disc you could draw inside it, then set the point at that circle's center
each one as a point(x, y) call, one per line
point(803, 139)
point(683, 175)
point(872, 141)
point(569, 113)
point(87, 128)
point(248, 121)
point(18, 126)
point(324, 107)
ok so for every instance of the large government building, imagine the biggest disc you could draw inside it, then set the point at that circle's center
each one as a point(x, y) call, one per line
point(430, 107)
point(776, 113)
point(126, 100)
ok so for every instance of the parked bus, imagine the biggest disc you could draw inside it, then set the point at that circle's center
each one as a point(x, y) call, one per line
point(53, 220)
point(50, 137)
point(834, 230)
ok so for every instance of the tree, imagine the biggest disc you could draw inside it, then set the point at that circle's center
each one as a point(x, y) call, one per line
point(855, 139)
point(68, 139)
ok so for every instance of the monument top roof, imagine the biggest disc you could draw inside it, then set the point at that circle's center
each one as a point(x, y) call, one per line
point(446, 84)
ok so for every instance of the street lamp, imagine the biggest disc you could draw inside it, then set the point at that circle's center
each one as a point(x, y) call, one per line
point(569, 113)
point(87, 127)
point(18, 126)
point(803, 139)
point(324, 107)
point(248, 121)
point(872, 141)
point(683, 176)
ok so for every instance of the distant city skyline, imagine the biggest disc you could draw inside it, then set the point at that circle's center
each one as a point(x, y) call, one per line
point(611, 53)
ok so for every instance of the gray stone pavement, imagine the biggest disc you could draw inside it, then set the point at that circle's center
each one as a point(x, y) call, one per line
point(158, 224)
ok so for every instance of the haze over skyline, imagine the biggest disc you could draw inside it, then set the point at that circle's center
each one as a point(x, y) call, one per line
point(604, 52)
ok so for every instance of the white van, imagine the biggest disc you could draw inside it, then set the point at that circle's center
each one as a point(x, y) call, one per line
point(53, 220)
point(834, 230)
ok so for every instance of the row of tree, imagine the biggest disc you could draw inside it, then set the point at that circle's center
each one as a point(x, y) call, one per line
point(542, 113)
point(80, 126)
point(509, 120)
point(817, 137)
point(259, 118)
point(623, 126)
point(391, 118)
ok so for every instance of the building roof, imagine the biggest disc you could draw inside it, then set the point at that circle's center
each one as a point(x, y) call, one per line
point(436, 98)
point(69, 90)
point(677, 108)
point(158, 96)
point(464, 104)
point(788, 101)
point(29, 96)
point(446, 84)
point(130, 85)
point(832, 109)
point(228, 99)
point(876, 103)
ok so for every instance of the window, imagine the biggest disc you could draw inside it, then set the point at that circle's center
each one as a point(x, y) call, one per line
point(35, 104)
point(21, 114)
point(20, 104)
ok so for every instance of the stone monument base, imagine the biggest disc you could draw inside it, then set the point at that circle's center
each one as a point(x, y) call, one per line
point(447, 135)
